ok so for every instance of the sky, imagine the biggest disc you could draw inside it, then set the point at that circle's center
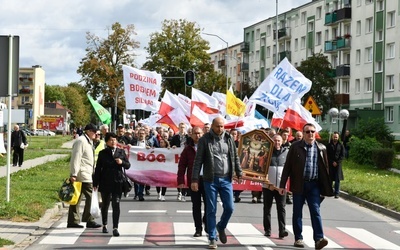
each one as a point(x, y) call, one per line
point(53, 33)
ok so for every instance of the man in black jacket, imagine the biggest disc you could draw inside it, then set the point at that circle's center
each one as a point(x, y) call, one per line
point(335, 151)
point(18, 144)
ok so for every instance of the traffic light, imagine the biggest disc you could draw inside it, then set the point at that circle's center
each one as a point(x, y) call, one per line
point(189, 78)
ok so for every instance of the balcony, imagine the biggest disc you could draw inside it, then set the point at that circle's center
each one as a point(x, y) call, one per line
point(245, 47)
point(282, 33)
point(25, 91)
point(343, 14)
point(284, 54)
point(330, 46)
point(330, 18)
point(342, 99)
point(343, 43)
point(244, 67)
point(26, 79)
point(343, 71)
point(332, 73)
point(221, 63)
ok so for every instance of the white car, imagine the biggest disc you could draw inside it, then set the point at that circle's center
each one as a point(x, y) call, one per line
point(44, 132)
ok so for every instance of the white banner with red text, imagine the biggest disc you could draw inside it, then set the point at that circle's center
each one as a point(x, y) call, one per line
point(158, 167)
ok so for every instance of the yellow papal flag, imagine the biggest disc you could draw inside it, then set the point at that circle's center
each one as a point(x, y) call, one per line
point(234, 106)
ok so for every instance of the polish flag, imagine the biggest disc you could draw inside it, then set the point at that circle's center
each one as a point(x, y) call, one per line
point(168, 103)
point(173, 118)
point(204, 102)
point(296, 117)
point(185, 104)
point(221, 97)
point(198, 117)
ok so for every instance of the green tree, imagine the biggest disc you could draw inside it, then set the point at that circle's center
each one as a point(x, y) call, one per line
point(101, 68)
point(78, 103)
point(178, 48)
point(375, 128)
point(319, 70)
point(54, 93)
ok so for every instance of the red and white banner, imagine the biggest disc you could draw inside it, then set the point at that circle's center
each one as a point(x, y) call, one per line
point(204, 101)
point(142, 89)
point(159, 167)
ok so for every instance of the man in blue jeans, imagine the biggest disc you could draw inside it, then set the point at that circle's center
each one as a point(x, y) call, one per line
point(307, 166)
point(217, 154)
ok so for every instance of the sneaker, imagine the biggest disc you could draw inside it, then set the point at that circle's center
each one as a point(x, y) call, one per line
point(198, 233)
point(299, 243)
point(72, 225)
point(179, 197)
point(183, 199)
point(162, 197)
point(159, 196)
point(254, 200)
point(222, 235)
point(212, 244)
point(259, 201)
point(321, 243)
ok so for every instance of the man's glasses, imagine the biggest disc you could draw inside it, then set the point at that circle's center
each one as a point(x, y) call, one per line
point(97, 134)
point(310, 131)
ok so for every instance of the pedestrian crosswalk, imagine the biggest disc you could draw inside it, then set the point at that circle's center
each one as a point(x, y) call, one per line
point(249, 235)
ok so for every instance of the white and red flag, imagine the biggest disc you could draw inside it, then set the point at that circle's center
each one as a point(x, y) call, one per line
point(204, 102)
point(173, 118)
point(198, 117)
point(169, 102)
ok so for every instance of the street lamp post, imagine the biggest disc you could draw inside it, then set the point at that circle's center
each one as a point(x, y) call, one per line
point(132, 118)
point(226, 55)
point(116, 107)
point(337, 116)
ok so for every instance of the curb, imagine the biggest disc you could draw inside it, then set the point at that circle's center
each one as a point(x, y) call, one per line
point(372, 206)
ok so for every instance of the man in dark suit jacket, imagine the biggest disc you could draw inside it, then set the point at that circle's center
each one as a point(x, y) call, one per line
point(18, 138)
point(307, 166)
point(336, 151)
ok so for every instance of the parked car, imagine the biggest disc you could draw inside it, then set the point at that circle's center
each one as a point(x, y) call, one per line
point(27, 132)
point(44, 132)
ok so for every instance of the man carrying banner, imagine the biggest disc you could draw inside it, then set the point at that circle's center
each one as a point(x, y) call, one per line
point(217, 155)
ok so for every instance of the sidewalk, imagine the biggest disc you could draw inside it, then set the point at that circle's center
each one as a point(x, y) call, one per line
point(21, 232)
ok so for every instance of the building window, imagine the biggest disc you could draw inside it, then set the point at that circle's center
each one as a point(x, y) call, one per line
point(390, 83)
point(358, 56)
point(379, 35)
point(358, 3)
point(258, 34)
point(358, 28)
point(368, 54)
point(269, 30)
point(257, 55)
point(378, 97)
point(391, 19)
point(368, 84)
point(268, 51)
point(369, 25)
point(303, 42)
point(296, 44)
point(303, 17)
point(389, 114)
point(319, 12)
point(368, 1)
point(345, 87)
point(358, 86)
point(310, 26)
point(379, 5)
point(391, 50)
point(318, 38)
point(379, 66)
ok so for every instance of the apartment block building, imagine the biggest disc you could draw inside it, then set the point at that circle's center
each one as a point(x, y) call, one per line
point(360, 39)
point(31, 87)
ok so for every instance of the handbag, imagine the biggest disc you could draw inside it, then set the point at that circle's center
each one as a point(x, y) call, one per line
point(126, 184)
point(70, 191)
point(94, 206)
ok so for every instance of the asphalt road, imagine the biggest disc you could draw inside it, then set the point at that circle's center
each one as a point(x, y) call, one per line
point(152, 224)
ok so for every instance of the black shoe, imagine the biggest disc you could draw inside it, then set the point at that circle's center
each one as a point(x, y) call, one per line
point(141, 198)
point(105, 230)
point(198, 233)
point(289, 201)
point(237, 199)
point(92, 225)
point(283, 234)
point(267, 234)
point(147, 192)
point(20, 165)
point(72, 225)
point(336, 196)
point(115, 232)
point(222, 235)
point(136, 197)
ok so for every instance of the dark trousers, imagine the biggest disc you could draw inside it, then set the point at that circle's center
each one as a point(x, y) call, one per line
point(138, 188)
point(196, 207)
point(18, 156)
point(115, 199)
point(73, 211)
point(163, 190)
point(280, 201)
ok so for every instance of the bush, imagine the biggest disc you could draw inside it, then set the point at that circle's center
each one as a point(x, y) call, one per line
point(324, 134)
point(374, 128)
point(383, 157)
point(396, 146)
point(361, 149)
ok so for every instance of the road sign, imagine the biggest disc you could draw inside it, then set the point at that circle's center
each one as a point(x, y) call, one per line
point(312, 106)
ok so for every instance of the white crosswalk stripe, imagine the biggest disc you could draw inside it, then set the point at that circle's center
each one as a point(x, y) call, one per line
point(180, 233)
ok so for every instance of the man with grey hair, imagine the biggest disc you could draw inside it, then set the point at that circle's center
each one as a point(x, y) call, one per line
point(18, 139)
